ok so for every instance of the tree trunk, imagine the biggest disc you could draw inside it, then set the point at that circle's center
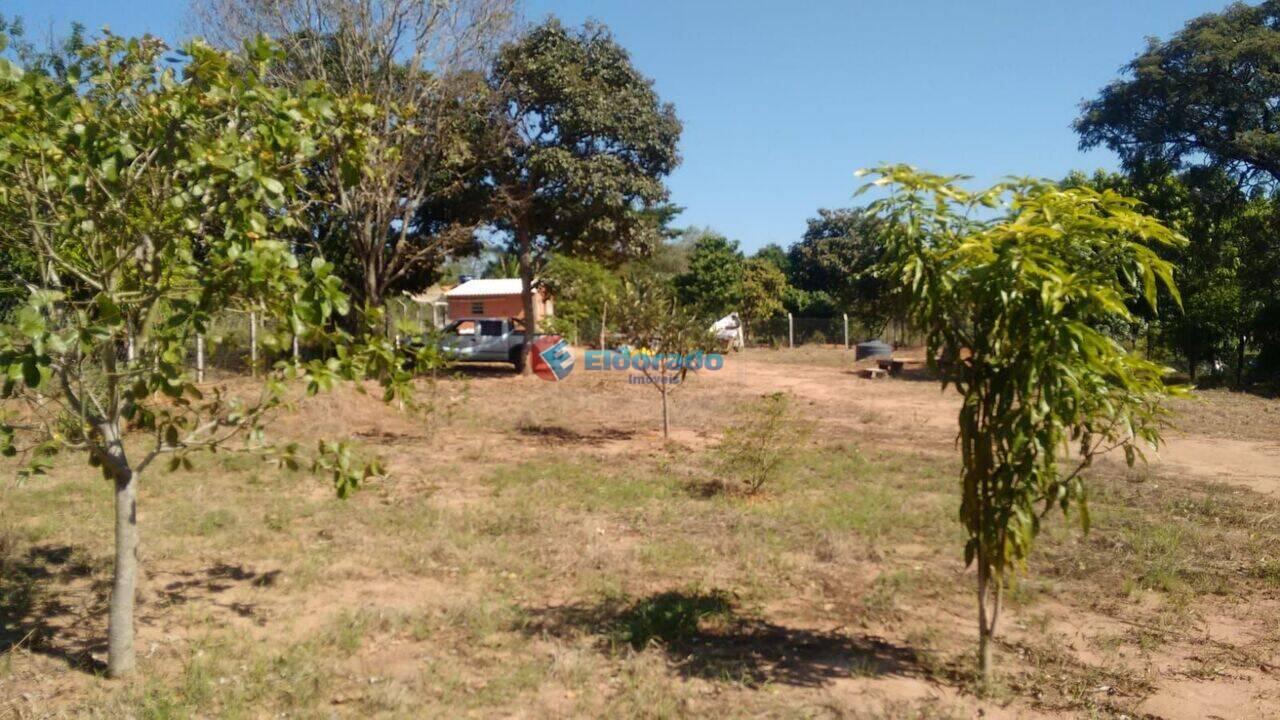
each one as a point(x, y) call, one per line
point(1240, 361)
point(985, 630)
point(372, 291)
point(525, 243)
point(989, 596)
point(984, 654)
point(120, 654)
point(604, 317)
point(662, 389)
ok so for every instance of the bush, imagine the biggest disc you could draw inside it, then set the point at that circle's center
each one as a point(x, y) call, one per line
point(754, 449)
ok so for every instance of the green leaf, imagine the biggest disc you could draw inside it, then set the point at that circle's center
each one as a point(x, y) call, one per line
point(108, 312)
point(273, 186)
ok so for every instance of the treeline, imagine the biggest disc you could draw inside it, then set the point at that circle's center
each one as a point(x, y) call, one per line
point(452, 123)
point(549, 144)
point(829, 272)
point(1193, 121)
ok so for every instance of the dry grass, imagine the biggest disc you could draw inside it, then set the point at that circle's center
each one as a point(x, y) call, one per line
point(537, 551)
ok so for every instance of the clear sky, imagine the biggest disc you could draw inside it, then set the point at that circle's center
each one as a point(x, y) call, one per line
point(782, 101)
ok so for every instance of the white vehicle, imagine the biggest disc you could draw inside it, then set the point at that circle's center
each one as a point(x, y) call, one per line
point(728, 330)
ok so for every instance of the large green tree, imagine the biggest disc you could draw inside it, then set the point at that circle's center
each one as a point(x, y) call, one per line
point(761, 292)
point(583, 291)
point(1206, 98)
point(152, 197)
point(1229, 269)
point(712, 285)
point(1206, 95)
point(397, 194)
point(773, 253)
point(583, 143)
point(1014, 304)
point(836, 257)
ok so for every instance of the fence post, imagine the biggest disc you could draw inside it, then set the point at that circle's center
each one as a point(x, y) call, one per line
point(791, 331)
point(253, 344)
point(295, 348)
point(846, 331)
point(604, 317)
point(199, 358)
point(131, 352)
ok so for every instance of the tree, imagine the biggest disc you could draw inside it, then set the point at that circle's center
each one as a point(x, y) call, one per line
point(1228, 269)
point(501, 264)
point(17, 262)
point(151, 198)
point(761, 292)
point(773, 253)
point(836, 256)
point(668, 258)
point(59, 56)
point(1205, 95)
point(584, 144)
point(809, 303)
point(1013, 309)
point(665, 341)
point(583, 290)
point(397, 194)
point(712, 286)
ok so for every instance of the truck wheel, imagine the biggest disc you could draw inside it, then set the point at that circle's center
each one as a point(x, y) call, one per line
point(517, 359)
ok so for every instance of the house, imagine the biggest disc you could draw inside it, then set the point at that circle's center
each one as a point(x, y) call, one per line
point(496, 298)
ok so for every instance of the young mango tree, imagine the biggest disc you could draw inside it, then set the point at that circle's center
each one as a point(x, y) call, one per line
point(151, 197)
point(1014, 305)
point(665, 342)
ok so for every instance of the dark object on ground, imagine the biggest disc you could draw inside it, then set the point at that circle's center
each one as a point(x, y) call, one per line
point(872, 348)
point(891, 366)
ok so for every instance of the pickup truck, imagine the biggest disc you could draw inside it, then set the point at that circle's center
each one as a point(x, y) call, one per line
point(484, 340)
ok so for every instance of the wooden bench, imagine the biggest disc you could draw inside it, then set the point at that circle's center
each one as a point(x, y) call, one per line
point(873, 373)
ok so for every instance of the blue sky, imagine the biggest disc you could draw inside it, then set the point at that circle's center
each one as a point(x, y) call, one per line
point(782, 101)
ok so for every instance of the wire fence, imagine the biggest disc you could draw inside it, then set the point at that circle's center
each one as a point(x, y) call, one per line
point(236, 343)
point(239, 342)
point(842, 331)
point(778, 332)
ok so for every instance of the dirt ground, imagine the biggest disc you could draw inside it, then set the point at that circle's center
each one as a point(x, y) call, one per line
point(537, 550)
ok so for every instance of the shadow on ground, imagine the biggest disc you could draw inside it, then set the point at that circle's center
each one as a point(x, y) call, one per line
point(38, 615)
point(557, 434)
point(480, 371)
point(705, 636)
point(206, 584)
point(54, 598)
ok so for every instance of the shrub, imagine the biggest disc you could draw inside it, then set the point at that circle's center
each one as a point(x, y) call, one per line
point(755, 448)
